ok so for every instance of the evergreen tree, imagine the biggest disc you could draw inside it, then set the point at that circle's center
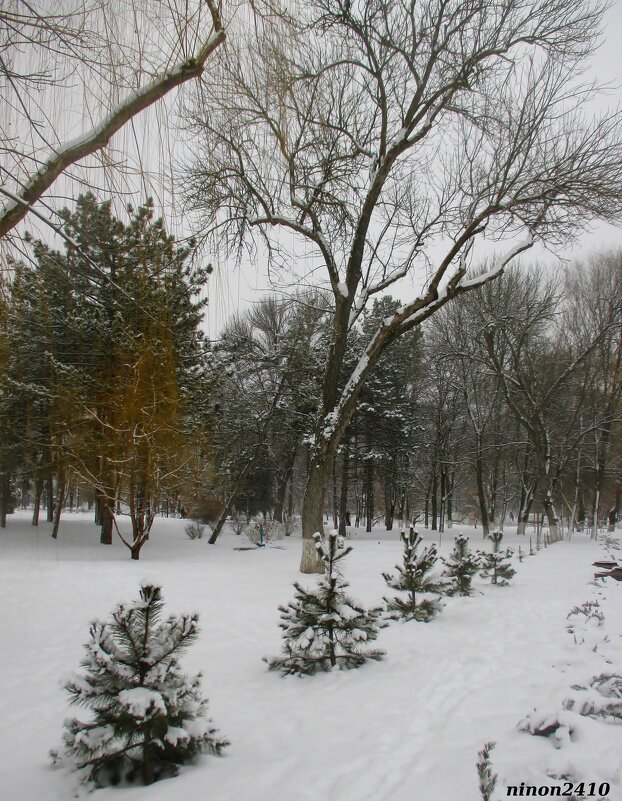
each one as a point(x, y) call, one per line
point(147, 716)
point(324, 628)
point(107, 363)
point(496, 564)
point(461, 566)
point(385, 428)
point(413, 578)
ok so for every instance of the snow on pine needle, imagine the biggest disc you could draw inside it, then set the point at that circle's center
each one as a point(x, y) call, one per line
point(496, 563)
point(420, 590)
point(147, 716)
point(324, 628)
point(460, 567)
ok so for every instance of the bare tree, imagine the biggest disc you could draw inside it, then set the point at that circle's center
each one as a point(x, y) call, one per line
point(543, 376)
point(458, 335)
point(596, 289)
point(387, 136)
point(111, 58)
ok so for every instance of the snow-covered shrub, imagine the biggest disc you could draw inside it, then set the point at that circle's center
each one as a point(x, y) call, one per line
point(324, 628)
point(147, 717)
point(611, 543)
point(600, 699)
point(194, 530)
point(496, 563)
point(413, 579)
point(586, 617)
point(461, 565)
point(262, 529)
point(487, 778)
point(239, 522)
point(290, 524)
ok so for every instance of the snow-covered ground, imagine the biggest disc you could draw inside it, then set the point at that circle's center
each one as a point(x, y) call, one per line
point(407, 728)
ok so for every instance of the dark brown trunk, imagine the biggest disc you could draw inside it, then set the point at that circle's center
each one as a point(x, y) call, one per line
point(49, 493)
point(369, 495)
point(5, 498)
point(60, 499)
point(37, 501)
point(427, 505)
point(106, 517)
point(389, 493)
point(343, 496)
point(434, 499)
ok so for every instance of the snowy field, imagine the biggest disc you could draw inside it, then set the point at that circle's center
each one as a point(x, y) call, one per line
point(407, 728)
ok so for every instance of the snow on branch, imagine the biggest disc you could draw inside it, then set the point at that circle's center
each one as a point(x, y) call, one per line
point(99, 136)
point(406, 318)
point(496, 271)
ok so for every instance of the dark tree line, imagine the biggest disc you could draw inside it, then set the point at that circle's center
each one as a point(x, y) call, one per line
point(504, 408)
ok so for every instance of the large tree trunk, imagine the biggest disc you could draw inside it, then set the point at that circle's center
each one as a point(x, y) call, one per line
point(312, 512)
point(552, 518)
point(105, 518)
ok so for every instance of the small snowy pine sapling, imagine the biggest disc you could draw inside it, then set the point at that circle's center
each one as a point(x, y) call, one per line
point(461, 566)
point(487, 779)
point(324, 628)
point(413, 579)
point(147, 716)
point(496, 564)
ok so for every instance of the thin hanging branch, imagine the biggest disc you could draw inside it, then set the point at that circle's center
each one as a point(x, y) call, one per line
point(98, 137)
